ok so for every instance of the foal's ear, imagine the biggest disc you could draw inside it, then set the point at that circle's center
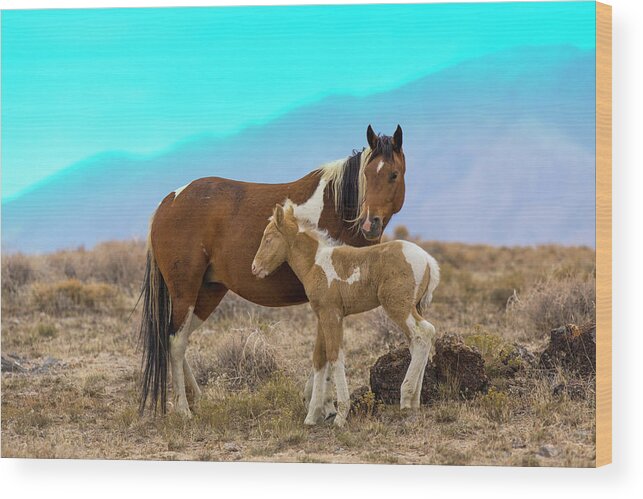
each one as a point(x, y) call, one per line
point(397, 139)
point(278, 216)
point(371, 138)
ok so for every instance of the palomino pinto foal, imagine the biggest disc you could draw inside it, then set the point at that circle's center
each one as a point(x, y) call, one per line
point(342, 280)
point(204, 236)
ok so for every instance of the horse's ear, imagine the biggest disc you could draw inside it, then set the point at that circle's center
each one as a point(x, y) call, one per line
point(371, 138)
point(397, 139)
point(278, 215)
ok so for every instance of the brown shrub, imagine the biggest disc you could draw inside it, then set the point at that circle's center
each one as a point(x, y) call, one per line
point(73, 296)
point(120, 263)
point(552, 303)
point(17, 271)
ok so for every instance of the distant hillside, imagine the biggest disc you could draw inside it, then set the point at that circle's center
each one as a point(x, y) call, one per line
point(499, 150)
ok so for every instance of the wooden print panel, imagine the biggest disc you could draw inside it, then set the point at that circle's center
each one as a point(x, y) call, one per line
point(603, 234)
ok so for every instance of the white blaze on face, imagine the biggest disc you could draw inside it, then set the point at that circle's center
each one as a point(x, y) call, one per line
point(380, 166)
point(367, 221)
point(311, 210)
point(324, 259)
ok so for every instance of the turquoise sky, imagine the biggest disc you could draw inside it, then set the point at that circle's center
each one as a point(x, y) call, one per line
point(80, 82)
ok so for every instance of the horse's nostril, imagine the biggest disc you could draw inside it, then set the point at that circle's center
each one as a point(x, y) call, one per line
point(377, 221)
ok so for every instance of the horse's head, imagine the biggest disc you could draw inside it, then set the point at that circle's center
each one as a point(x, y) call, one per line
point(273, 249)
point(384, 182)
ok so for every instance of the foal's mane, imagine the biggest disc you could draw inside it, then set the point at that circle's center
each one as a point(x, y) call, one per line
point(348, 182)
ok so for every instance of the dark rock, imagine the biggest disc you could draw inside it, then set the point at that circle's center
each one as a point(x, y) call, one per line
point(520, 354)
point(460, 365)
point(548, 451)
point(454, 363)
point(572, 348)
point(11, 364)
point(388, 373)
point(47, 365)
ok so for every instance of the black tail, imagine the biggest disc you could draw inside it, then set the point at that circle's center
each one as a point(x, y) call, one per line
point(154, 336)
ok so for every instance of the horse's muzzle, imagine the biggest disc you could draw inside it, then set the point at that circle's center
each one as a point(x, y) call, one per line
point(257, 271)
point(372, 228)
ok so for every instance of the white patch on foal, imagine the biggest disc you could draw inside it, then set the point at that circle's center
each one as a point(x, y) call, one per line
point(312, 209)
point(324, 259)
point(417, 258)
point(380, 166)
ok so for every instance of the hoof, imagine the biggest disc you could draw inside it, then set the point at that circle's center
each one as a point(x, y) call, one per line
point(339, 422)
point(183, 411)
point(330, 417)
point(314, 418)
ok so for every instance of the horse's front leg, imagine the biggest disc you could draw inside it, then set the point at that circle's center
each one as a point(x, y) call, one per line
point(343, 395)
point(316, 386)
point(331, 322)
point(328, 410)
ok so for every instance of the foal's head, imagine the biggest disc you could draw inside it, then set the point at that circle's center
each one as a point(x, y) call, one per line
point(273, 249)
point(384, 182)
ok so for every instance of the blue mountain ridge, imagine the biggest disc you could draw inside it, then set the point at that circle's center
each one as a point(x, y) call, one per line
point(499, 150)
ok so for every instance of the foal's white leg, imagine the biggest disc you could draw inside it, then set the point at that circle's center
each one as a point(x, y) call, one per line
point(429, 331)
point(329, 405)
point(178, 345)
point(316, 406)
point(343, 396)
point(420, 345)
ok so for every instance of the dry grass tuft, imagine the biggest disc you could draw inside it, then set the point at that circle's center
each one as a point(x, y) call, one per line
point(244, 360)
point(72, 296)
point(120, 263)
point(552, 303)
point(496, 405)
point(17, 271)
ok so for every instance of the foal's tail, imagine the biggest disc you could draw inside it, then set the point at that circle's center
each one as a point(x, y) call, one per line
point(434, 280)
point(154, 335)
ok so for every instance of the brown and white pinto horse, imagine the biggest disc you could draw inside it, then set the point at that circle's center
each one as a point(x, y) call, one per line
point(204, 236)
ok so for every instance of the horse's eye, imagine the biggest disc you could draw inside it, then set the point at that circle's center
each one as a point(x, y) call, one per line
point(392, 177)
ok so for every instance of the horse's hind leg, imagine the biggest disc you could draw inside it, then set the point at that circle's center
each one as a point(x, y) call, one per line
point(420, 334)
point(209, 297)
point(428, 331)
point(178, 345)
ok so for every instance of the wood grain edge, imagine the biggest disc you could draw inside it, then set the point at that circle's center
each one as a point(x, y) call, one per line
point(603, 234)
